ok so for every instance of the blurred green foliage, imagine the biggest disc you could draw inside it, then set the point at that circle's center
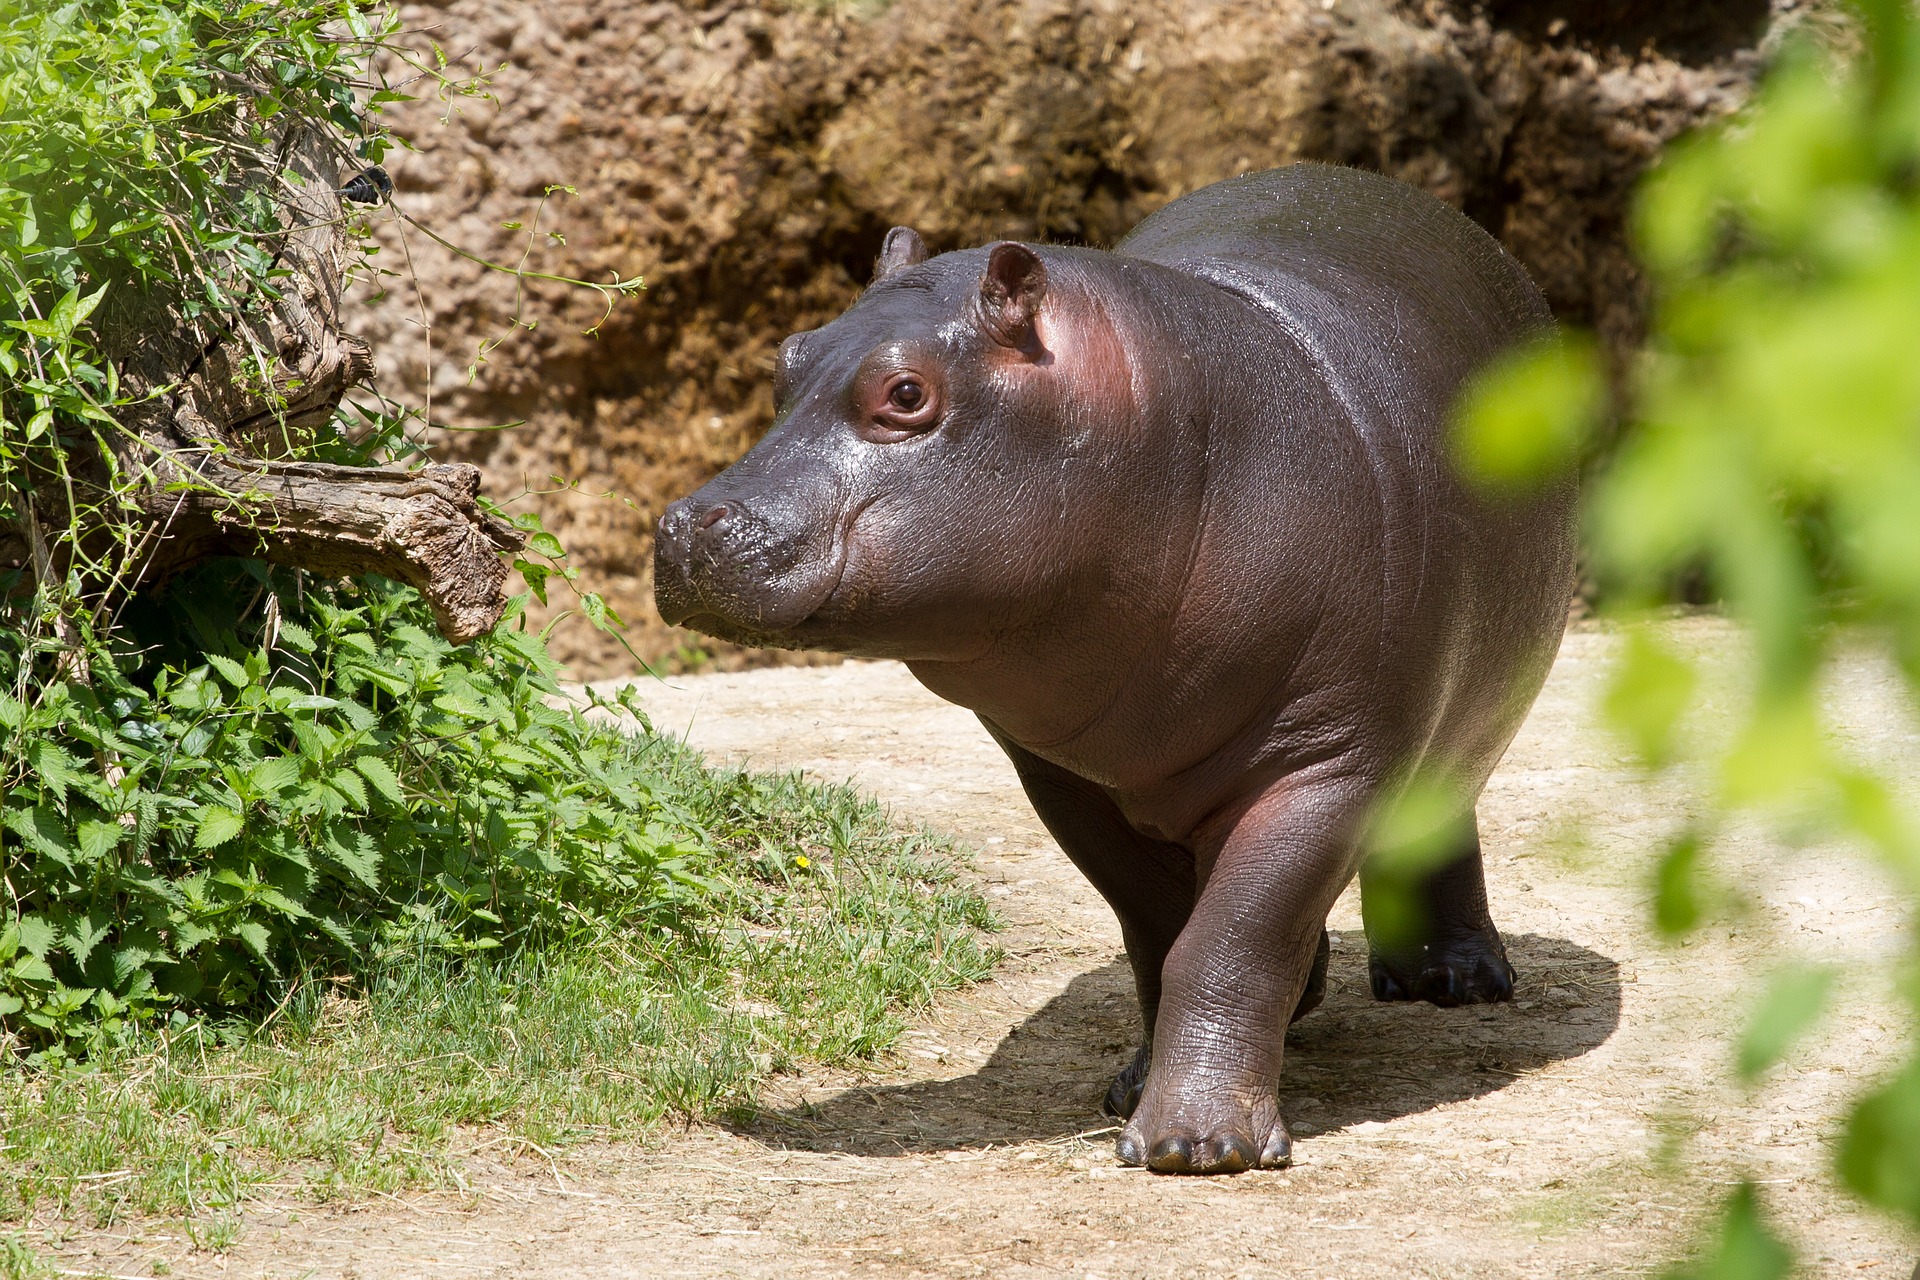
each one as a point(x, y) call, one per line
point(1771, 442)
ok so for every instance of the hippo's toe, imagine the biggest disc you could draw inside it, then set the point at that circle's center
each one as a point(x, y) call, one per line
point(1469, 969)
point(1209, 1133)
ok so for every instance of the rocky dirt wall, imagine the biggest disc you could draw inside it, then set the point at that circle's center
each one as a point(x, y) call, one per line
point(747, 158)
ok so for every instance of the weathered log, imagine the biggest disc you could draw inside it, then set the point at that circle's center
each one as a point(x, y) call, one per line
point(220, 410)
point(425, 528)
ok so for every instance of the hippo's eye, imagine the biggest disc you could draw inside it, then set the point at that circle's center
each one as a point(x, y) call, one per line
point(898, 404)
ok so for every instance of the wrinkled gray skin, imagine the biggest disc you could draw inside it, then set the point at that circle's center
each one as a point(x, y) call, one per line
point(1178, 522)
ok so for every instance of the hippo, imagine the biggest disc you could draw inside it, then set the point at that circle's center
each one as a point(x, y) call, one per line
point(1180, 522)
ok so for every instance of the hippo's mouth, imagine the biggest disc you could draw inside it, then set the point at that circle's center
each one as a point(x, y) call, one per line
point(802, 631)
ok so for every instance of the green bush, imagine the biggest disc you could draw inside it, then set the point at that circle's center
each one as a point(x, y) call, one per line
point(315, 790)
point(261, 774)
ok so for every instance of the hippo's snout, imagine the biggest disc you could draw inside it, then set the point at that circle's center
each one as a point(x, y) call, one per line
point(673, 555)
point(742, 570)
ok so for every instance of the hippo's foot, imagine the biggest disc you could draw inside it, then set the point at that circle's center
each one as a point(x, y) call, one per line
point(1123, 1095)
point(1211, 1129)
point(1316, 980)
point(1467, 966)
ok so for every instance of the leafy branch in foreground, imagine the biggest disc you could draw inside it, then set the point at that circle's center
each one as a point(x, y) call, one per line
point(1774, 445)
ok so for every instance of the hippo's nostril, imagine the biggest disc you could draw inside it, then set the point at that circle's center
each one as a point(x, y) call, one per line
point(715, 516)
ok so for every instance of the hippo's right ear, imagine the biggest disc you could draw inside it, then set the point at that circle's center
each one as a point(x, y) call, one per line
point(1010, 294)
point(902, 248)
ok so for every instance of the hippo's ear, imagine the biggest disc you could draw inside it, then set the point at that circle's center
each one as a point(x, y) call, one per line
point(1010, 293)
point(902, 248)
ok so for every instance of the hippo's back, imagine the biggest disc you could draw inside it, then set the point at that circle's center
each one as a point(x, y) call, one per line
point(1387, 285)
point(1394, 299)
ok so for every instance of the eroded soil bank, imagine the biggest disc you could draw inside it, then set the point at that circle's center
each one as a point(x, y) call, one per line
point(1517, 1141)
point(747, 158)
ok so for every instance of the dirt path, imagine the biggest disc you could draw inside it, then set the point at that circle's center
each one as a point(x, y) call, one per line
point(1518, 1141)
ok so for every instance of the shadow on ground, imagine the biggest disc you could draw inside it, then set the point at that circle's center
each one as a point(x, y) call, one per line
point(1351, 1061)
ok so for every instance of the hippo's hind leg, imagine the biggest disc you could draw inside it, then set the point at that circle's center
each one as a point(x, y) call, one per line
point(1148, 883)
point(1433, 939)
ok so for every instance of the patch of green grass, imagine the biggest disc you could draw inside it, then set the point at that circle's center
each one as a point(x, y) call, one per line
point(824, 924)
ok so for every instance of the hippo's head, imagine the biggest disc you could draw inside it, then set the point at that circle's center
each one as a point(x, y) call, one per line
point(915, 491)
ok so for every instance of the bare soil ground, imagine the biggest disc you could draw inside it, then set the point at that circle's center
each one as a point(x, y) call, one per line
point(1523, 1140)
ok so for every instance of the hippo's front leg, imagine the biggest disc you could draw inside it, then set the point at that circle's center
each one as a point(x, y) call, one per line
point(1234, 977)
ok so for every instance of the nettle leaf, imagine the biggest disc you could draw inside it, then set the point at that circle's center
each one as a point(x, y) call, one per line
point(131, 959)
point(32, 969)
point(296, 636)
point(280, 902)
point(217, 824)
point(275, 774)
point(44, 831)
point(257, 939)
point(83, 936)
point(98, 839)
point(1793, 1002)
point(230, 671)
point(190, 934)
point(284, 699)
point(381, 775)
point(354, 852)
point(37, 936)
point(349, 785)
point(55, 767)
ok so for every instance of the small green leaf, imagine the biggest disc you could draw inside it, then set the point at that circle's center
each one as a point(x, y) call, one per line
point(1678, 896)
point(85, 306)
point(37, 936)
point(56, 768)
point(217, 825)
point(1744, 1247)
point(1877, 1156)
point(349, 785)
point(230, 671)
point(44, 831)
point(275, 774)
point(1649, 689)
point(1791, 1005)
point(354, 852)
point(82, 937)
point(381, 775)
point(296, 636)
point(98, 839)
point(255, 935)
point(1523, 420)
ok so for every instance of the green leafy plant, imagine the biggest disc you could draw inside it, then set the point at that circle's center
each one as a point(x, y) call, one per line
point(312, 792)
point(264, 774)
point(1772, 443)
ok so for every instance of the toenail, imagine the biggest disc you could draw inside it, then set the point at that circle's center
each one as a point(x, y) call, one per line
point(1226, 1153)
point(1172, 1154)
point(1279, 1150)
